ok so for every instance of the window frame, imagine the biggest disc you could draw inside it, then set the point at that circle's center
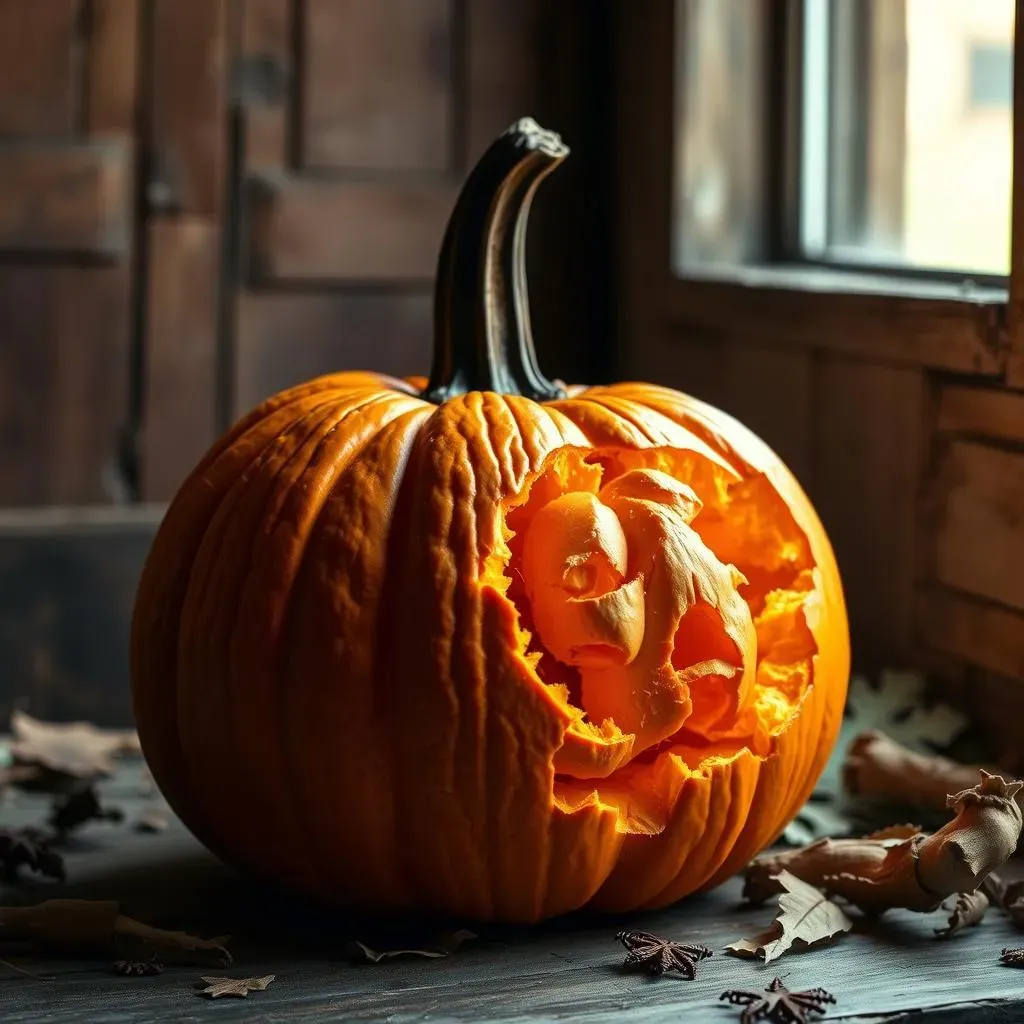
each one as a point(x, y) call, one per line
point(906, 317)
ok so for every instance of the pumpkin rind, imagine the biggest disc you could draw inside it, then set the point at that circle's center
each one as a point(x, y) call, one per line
point(336, 682)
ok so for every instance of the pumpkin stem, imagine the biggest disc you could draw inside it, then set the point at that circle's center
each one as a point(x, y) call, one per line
point(483, 340)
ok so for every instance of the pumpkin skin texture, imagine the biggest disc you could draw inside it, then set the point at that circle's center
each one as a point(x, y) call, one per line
point(490, 654)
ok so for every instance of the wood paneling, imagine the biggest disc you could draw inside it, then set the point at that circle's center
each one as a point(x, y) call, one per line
point(38, 66)
point(190, 54)
point(346, 231)
point(378, 89)
point(817, 311)
point(180, 395)
point(869, 445)
point(263, 81)
point(771, 391)
point(500, 90)
point(286, 339)
point(112, 61)
point(979, 542)
point(63, 384)
point(985, 412)
point(976, 632)
point(66, 198)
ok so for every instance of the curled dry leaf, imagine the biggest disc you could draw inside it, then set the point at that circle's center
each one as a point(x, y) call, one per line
point(440, 945)
point(63, 751)
point(877, 767)
point(965, 910)
point(917, 872)
point(241, 987)
point(152, 821)
point(806, 918)
point(97, 927)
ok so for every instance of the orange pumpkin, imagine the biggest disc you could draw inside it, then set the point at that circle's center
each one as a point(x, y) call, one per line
point(482, 644)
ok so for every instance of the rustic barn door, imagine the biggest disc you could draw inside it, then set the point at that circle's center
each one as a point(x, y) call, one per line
point(202, 202)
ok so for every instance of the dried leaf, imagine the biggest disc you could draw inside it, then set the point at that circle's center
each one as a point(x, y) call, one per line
point(217, 987)
point(440, 945)
point(97, 927)
point(897, 706)
point(152, 821)
point(965, 909)
point(76, 750)
point(805, 918)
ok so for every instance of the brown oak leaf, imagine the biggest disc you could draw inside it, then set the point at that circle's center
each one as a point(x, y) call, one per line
point(241, 987)
point(76, 750)
point(965, 909)
point(805, 918)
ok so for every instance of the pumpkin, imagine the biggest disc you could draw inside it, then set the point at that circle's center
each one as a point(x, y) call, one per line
point(483, 644)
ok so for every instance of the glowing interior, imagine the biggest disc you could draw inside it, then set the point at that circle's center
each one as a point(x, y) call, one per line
point(661, 603)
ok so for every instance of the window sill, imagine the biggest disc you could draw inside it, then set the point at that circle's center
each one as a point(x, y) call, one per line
point(950, 325)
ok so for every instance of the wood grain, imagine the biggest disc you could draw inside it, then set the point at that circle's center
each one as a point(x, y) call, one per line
point(286, 339)
point(263, 81)
point(869, 442)
point(377, 84)
point(38, 86)
point(978, 492)
point(67, 586)
point(890, 328)
point(978, 632)
point(502, 73)
point(179, 413)
point(189, 108)
point(983, 412)
point(771, 390)
point(63, 384)
point(66, 197)
point(301, 229)
point(112, 82)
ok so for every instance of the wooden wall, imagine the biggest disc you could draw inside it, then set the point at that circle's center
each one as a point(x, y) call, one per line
point(205, 201)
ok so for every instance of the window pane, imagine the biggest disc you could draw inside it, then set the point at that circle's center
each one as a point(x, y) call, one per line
point(915, 142)
point(719, 133)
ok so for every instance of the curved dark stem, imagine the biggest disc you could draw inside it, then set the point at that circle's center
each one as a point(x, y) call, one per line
point(482, 335)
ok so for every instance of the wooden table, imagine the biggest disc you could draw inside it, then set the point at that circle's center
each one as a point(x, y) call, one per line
point(567, 970)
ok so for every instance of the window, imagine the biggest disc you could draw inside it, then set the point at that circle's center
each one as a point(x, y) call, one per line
point(881, 139)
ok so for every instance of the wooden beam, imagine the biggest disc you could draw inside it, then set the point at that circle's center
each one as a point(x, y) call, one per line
point(977, 498)
point(66, 198)
point(818, 310)
point(313, 230)
point(982, 412)
point(978, 632)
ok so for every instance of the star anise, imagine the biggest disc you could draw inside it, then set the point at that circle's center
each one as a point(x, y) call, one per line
point(777, 1004)
point(137, 967)
point(30, 848)
point(658, 955)
point(1012, 957)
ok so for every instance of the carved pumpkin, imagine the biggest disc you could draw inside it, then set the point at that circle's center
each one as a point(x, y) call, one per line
point(483, 644)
